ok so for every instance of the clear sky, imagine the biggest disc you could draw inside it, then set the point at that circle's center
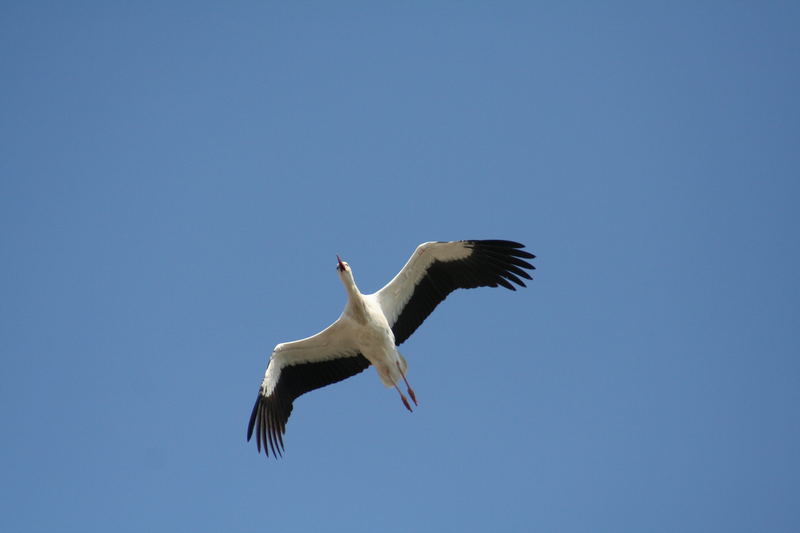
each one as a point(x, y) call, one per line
point(176, 179)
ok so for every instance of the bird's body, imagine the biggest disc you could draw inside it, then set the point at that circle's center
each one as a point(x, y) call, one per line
point(372, 326)
point(370, 332)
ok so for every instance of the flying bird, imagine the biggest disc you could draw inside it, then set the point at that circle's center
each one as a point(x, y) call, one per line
point(373, 325)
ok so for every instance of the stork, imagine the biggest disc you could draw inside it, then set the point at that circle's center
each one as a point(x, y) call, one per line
point(372, 326)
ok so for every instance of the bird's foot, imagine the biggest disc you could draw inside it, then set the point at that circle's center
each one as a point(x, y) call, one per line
point(413, 396)
point(405, 402)
point(408, 386)
point(403, 397)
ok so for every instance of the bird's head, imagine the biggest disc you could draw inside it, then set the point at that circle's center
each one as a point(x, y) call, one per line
point(345, 274)
point(342, 267)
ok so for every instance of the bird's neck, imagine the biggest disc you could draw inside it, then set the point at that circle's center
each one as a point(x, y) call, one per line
point(355, 300)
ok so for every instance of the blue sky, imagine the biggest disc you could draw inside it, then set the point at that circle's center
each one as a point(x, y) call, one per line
point(178, 177)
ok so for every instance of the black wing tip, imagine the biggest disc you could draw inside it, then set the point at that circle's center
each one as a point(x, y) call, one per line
point(252, 423)
point(264, 424)
point(507, 247)
point(506, 259)
point(498, 243)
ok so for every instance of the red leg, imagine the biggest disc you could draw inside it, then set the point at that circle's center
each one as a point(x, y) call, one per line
point(403, 397)
point(410, 390)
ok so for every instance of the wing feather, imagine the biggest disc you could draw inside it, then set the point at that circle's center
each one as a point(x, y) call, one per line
point(436, 269)
point(296, 368)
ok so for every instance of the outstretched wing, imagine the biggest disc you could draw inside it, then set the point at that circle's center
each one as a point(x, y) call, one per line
point(296, 368)
point(438, 268)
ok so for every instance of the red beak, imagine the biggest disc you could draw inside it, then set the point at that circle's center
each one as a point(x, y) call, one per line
point(341, 265)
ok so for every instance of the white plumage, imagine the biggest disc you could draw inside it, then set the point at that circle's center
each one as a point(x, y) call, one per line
point(373, 325)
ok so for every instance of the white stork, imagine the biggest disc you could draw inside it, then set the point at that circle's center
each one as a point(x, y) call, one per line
point(372, 325)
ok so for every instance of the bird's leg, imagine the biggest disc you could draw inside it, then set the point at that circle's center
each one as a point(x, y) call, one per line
point(410, 390)
point(403, 397)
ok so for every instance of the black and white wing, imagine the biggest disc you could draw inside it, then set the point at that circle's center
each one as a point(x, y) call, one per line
point(296, 368)
point(438, 268)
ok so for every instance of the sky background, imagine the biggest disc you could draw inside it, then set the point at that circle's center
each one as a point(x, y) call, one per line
point(176, 179)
